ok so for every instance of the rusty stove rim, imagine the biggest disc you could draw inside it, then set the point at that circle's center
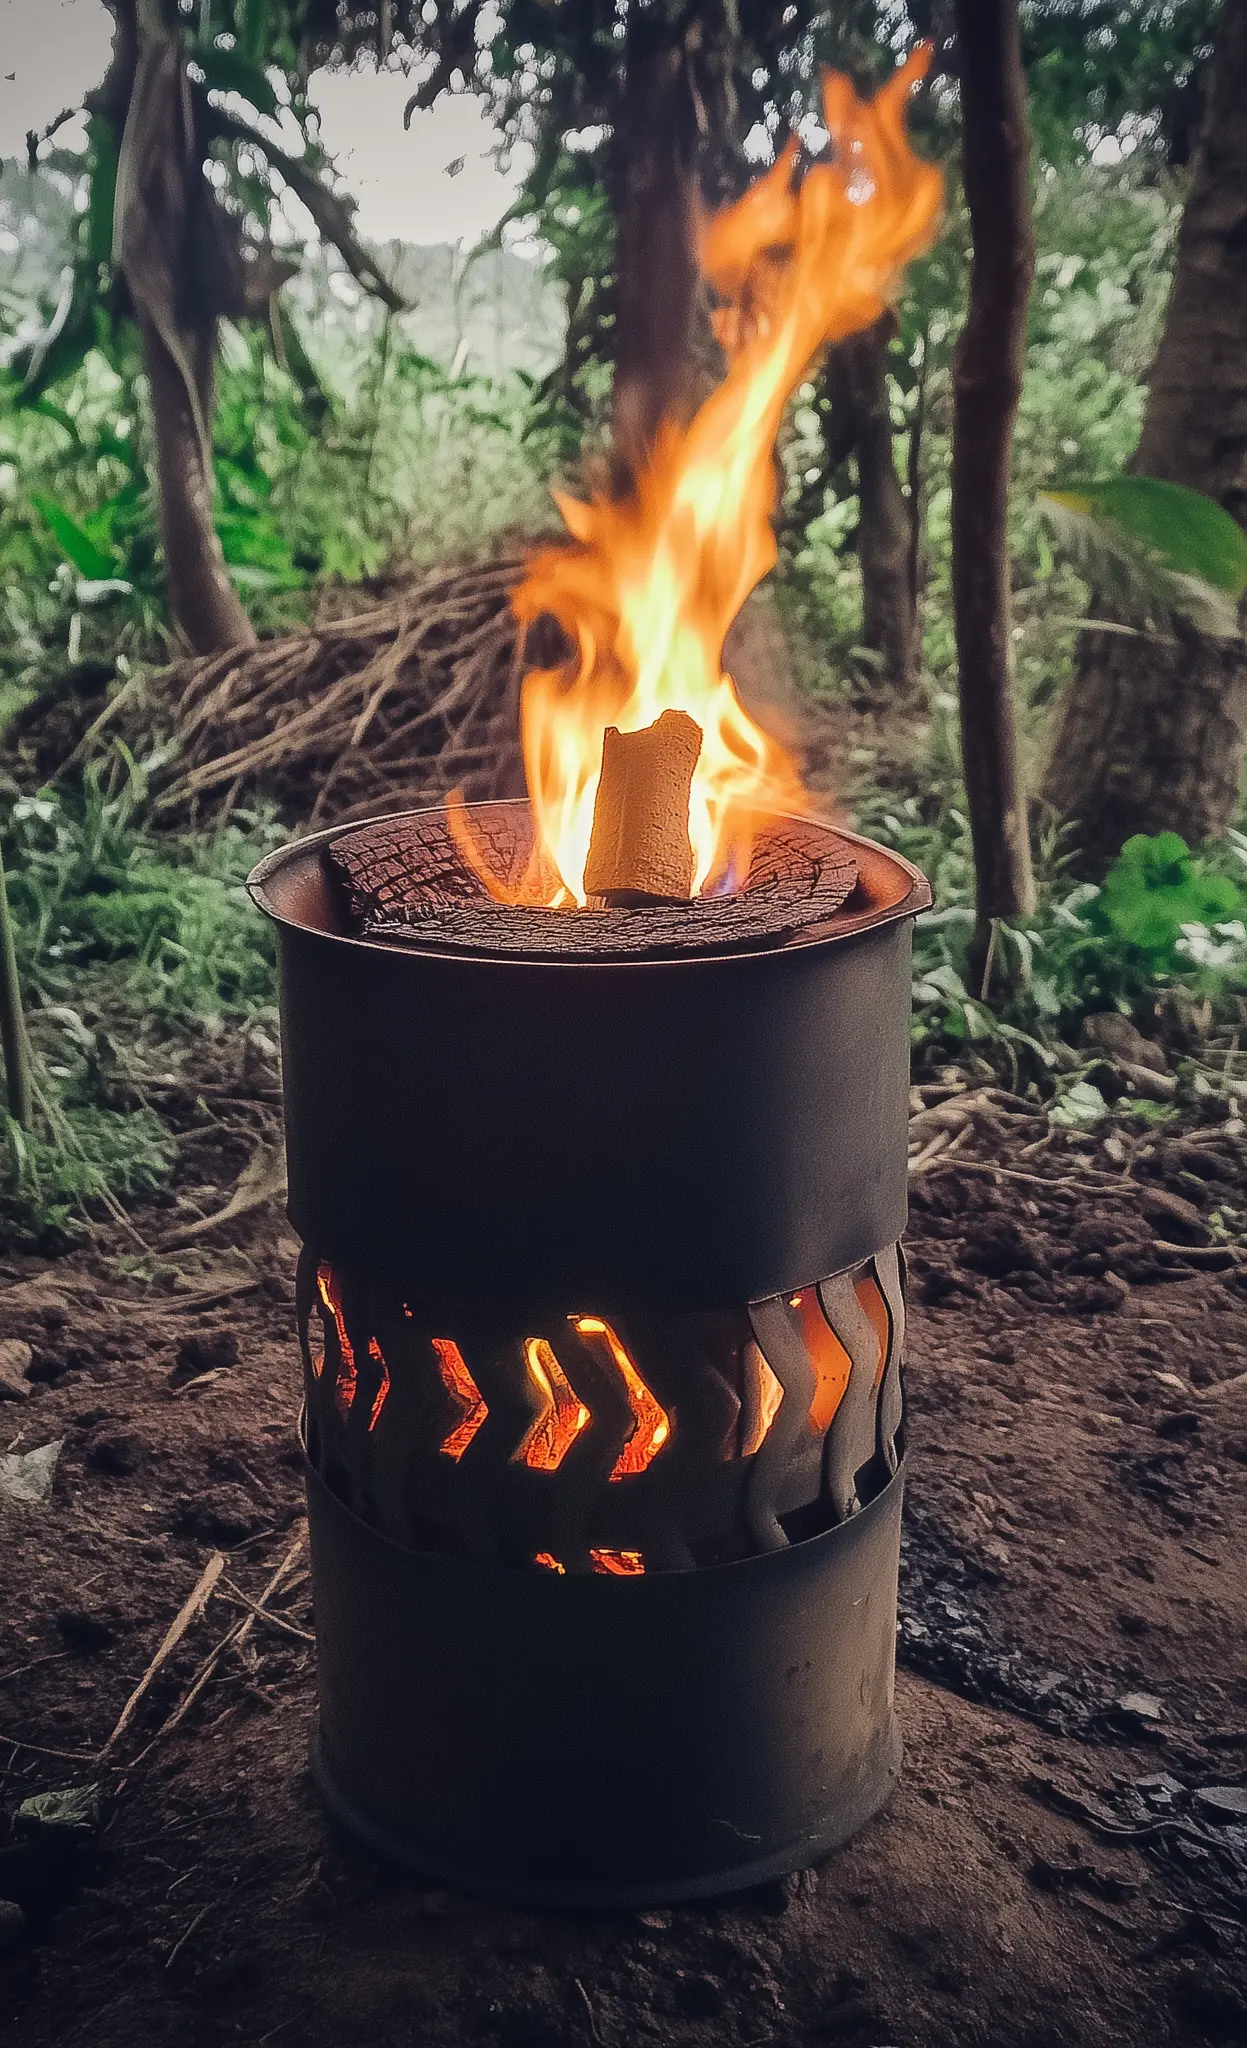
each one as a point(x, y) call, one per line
point(917, 898)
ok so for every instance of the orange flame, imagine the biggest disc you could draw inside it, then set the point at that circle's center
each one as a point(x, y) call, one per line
point(652, 582)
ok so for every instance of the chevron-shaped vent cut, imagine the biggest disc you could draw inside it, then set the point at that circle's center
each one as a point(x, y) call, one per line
point(609, 1447)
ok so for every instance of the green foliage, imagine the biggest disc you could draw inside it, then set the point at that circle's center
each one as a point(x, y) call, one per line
point(325, 469)
point(1164, 918)
point(83, 1160)
point(1152, 548)
point(122, 941)
point(74, 542)
point(172, 923)
point(1155, 889)
point(1192, 533)
point(1109, 67)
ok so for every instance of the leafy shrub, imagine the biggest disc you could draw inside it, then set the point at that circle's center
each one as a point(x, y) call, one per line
point(172, 919)
point(1163, 917)
point(1156, 890)
point(84, 1160)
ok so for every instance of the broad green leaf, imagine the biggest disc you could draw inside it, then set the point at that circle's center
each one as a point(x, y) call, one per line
point(77, 547)
point(1155, 886)
point(1129, 575)
point(1192, 534)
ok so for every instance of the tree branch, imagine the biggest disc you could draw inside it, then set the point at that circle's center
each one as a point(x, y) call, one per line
point(331, 214)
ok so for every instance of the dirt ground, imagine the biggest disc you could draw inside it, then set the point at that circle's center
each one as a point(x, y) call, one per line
point(1064, 1864)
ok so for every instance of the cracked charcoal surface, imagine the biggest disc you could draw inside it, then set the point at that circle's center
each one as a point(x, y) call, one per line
point(405, 881)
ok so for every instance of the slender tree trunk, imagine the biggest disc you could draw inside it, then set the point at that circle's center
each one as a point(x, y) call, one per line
point(987, 382)
point(857, 375)
point(17, 1075)
point(914, 493)
point(657, 282)
point(203, 603)
point(158, 191)
point(1152, 731)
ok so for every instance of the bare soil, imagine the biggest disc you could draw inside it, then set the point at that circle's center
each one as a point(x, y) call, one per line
point(1073, 1681)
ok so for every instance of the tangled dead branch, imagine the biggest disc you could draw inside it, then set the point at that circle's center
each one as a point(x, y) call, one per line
point(415, 696)
point(388, 701)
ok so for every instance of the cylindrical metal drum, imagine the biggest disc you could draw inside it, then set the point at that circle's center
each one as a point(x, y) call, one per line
point(602, 1314)
point(670, 1134)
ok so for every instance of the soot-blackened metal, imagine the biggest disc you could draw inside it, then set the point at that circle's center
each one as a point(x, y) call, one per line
point(528, 1135)
point(521, 1138)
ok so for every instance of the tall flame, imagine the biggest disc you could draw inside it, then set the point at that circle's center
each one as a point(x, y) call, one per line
point(652, 582)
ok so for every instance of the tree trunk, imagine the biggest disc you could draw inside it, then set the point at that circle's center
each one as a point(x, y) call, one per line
point(857, 376)
point(657, 281)
point(158, 193)
point(1152, 731)
point(19, 1086)
point(987, 382)
point(203, 604)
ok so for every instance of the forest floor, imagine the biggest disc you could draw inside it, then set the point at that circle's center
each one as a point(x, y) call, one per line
point(1064, 1861)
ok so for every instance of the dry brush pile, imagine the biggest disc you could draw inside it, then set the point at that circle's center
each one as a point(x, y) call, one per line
point(411, 697)
point(386, 699)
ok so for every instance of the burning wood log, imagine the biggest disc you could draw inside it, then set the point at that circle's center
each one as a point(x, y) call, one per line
point(640, 851)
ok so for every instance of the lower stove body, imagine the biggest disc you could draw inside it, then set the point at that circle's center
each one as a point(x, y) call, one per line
point(605, 1741)
point(605, 1611)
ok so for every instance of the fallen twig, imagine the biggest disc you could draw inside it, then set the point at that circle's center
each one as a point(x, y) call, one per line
point(590, 2015)
point(19, 1670)
point(162, 1304)
point(1075, 1807)
point(75, 1756)
point(1198, 1254)
point(262, 1180)
point(940, 1148)
point(188, 1614)
point(267, 1614)
point(230, 1640)
point(1111, 1184)
point(187, 1932)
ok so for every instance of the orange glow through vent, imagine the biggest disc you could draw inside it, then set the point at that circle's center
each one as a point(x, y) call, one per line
point(470, 1408)
point(769, 1396)
point(620, 1564)
point(562, 1414)
point(831, 1361)
point(377, 1357)
point(331, 1299)
point(651, 1426)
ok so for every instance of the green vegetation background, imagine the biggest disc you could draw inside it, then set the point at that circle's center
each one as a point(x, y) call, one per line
point(378, 440)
